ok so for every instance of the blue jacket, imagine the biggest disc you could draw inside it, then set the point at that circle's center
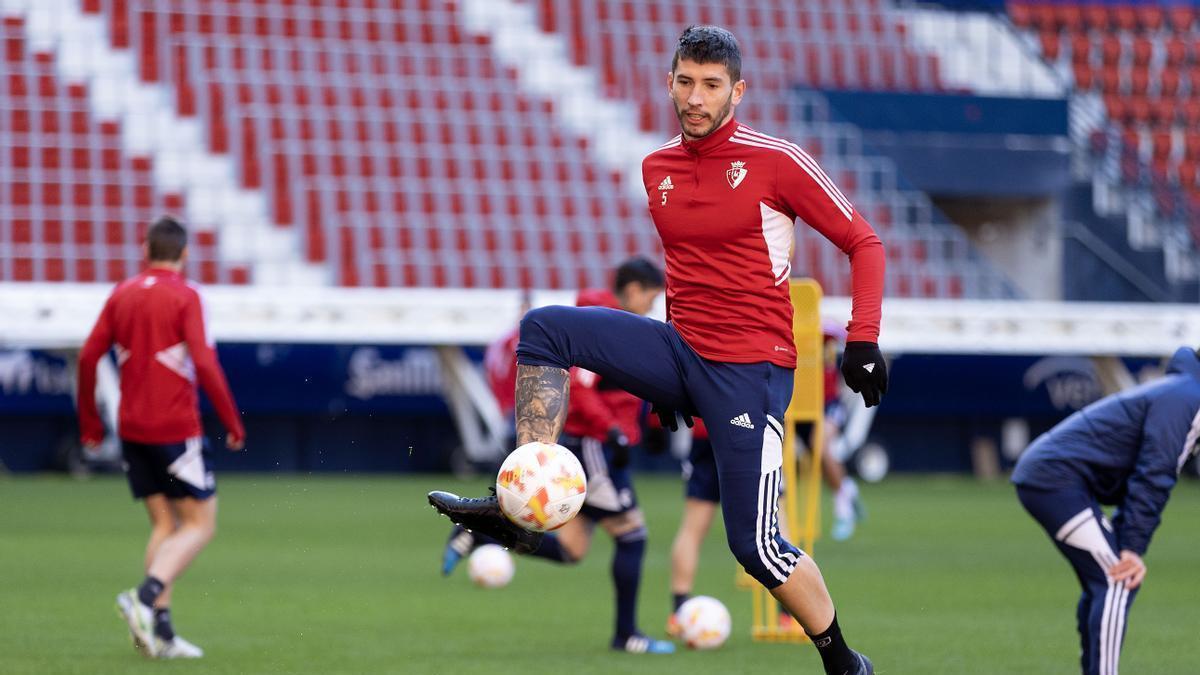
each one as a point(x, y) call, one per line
point(1126, 449)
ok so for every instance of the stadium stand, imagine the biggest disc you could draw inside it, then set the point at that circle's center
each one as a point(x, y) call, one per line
point(1142, 61)
point(392, 142)
point(73, 204)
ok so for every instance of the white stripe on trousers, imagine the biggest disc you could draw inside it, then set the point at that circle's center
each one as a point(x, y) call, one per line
point(1116, 598)
point(762, 526)
point(788, 558)
point(779, 564)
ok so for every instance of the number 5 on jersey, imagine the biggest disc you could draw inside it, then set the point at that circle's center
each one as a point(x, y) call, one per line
point(665, 185)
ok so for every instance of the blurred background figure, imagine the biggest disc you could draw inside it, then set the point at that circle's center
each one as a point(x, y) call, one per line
point(1125, 450)
point(155, 322)
point(848, 509)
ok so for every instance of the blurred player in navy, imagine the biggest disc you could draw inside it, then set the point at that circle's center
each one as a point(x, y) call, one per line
point(724, 199)
point(155, 321)
point(1124, 450)
point(602, 425)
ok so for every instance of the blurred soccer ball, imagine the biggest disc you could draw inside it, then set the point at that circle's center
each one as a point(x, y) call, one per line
point(490, 566)
point(704, 622)
point(541, 486)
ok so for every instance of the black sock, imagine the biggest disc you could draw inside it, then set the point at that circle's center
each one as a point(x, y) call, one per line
point(149, 591)
point(627, 575)
point(162, 624)
point(677, 599)
point(551, 549)
point(835, 655)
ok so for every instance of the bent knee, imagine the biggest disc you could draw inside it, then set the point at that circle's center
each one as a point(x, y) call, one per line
point(542, 337)
point(769, 560)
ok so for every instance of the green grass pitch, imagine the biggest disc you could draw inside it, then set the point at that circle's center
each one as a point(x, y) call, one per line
point(339, 575)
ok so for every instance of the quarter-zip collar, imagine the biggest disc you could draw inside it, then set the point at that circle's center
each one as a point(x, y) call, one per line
point(703, 146)
point(164, 272)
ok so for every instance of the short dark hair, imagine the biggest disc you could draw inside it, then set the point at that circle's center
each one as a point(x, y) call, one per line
point(640, 270)
point(709, 44)
point(166, 240)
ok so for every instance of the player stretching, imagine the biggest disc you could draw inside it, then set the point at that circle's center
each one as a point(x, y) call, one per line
point(601, 425)
point(724, 199)
point(1125, 450)
point(156, 322)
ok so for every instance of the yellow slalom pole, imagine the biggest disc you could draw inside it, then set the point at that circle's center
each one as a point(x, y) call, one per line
point(807, 407)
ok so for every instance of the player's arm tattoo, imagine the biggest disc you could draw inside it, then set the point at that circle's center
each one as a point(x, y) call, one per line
point(541, 403)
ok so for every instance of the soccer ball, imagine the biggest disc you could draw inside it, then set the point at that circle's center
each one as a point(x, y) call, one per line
point(703, 622)
point(490, 566)
point(541, 486)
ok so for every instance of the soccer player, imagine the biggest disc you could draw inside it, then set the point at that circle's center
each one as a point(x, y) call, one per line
point(602, 424)
point(723, 198)
point(156, 322)
point(1124, 450)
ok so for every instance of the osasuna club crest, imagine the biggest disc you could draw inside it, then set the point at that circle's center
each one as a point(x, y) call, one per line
point(736, 173)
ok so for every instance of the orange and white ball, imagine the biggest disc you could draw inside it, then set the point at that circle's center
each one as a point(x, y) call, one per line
point(541, 486)
point(704, 623)
point(490, 566)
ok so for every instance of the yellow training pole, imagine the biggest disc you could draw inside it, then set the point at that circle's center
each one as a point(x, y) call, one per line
point(807, 407)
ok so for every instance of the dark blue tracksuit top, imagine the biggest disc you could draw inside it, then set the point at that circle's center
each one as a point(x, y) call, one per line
point(1126, 449)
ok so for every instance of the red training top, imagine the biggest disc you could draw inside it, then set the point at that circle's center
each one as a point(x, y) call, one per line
point(156, 321)
point(724, 206)
point(500, 366)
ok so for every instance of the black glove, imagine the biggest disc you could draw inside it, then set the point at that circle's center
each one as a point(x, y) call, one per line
point(865, 371)
point(619, 442)
point(654, 439)
point(670, 417)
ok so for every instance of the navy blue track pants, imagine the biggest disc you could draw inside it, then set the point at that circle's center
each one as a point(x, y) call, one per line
point(742, 404)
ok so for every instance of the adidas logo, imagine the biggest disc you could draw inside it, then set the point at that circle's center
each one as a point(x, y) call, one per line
point(666, 184)
point(870, 367)
point(743, 421)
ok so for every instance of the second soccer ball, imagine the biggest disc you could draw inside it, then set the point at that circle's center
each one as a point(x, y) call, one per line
point(490, 566)
point(541, 486)
point(704, 622)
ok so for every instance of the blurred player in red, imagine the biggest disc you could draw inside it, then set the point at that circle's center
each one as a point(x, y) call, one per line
point(155, 322)
point(602, 425)
point(500, 369)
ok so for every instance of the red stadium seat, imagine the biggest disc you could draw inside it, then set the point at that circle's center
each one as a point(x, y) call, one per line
point(1187, 173)
point(1110, 50)
point(1143, 49)
point(1068, 17)
point(1139, 109)
point(1081, 49)
point(1149, 17)
point(1124, 17)
point(1192, 145)
point(1110, 80)
point(1181, 17)
point(1095, 17)
point(1177, 52)
point(1050, 44)
point(1139, 81)
point(1021, 13)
